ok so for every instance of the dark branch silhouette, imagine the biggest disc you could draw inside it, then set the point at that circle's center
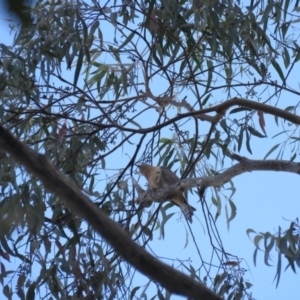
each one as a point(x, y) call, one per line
point(78, 203)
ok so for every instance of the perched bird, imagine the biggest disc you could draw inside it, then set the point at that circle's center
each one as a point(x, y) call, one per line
point(162, 177)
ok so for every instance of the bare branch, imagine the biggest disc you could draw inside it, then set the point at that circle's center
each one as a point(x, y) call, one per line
point(220, 108)
point(244, 165)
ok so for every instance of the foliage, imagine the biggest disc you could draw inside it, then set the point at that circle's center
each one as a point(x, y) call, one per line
point(99, 87)
point(19, 9)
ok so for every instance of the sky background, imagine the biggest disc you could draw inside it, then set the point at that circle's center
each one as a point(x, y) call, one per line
point(264, 200)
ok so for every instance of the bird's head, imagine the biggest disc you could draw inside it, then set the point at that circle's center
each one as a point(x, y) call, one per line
point(145, 169)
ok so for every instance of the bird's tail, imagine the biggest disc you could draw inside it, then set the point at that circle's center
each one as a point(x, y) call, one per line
point(188, 211)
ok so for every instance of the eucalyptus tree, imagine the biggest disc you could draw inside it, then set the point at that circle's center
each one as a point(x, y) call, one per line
point(98, 88)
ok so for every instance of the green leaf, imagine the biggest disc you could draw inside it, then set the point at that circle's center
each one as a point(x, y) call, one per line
point(218, 203)
point(266, 15)
point(271, 150)
point(113, 18)
point(134, 123)
point(94, 26)
point(286, 57)
point(204, 101)
point(2, 83)
point(168, 157)
point(160, 52)
point(233, 211)
point(279, 71)
point(186, 238)
point(78, 68)
point(248, 142)
point(127, 40)
point(249, 231)
point(160, 295)
point(255, 132)
point(147, 232)
point(7, 292)
point(30, 295)
point(133, 292)
point(240, 140)
point(255, 256)
point(6, 247)
point(257, 240)
point(268, 249)
point(239, 109)
point(278, 271)
point(20, 293)
point(166, 152)
point(293, 157)
point(219, 279)
point(224, 126)
point(92, 181)
point(210, 69)
point(103, 163)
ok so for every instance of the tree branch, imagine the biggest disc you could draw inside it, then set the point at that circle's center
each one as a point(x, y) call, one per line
point(78, 203)
point(220, 108)
point(244, 165)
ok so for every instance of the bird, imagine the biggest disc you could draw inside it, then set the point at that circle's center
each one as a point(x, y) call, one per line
point(162, 177)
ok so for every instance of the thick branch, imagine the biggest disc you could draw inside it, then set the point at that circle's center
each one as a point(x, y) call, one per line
point(78, 203)
point(269, 109)
point(244, 165)
point(222, 107)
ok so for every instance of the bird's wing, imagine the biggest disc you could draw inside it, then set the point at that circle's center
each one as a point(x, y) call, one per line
point(169, 176)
